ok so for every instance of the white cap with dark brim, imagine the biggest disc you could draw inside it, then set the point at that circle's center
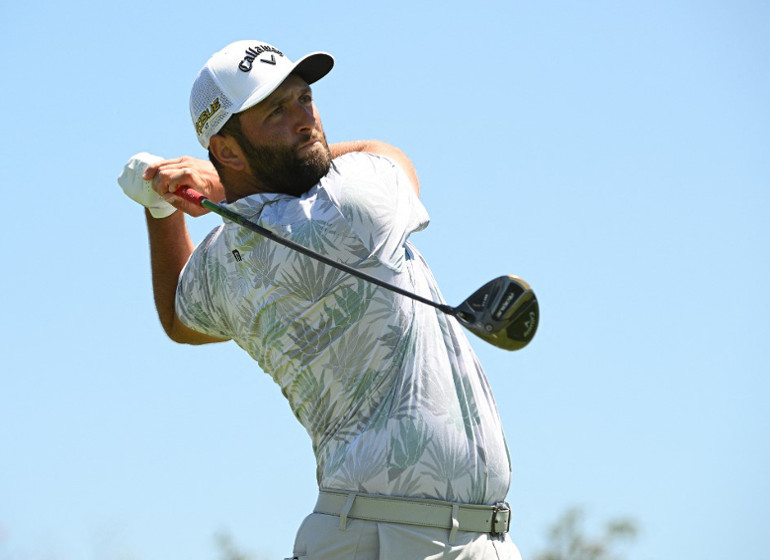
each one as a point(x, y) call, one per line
point(240, 76)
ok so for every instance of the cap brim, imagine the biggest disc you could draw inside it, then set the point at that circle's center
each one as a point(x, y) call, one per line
point(314, 66)
point(310, 68)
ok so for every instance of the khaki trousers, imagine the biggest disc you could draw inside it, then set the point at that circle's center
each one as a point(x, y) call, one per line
point(320, 538)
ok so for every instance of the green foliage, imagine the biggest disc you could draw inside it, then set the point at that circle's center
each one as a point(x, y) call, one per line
point(567, 539)
point(229, 551)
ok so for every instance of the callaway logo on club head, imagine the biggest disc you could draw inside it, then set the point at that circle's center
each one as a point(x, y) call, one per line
point(253, 52)
point(530, 324)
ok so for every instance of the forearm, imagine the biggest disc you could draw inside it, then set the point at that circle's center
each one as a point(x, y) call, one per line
point(341, 148)
point(170, 248)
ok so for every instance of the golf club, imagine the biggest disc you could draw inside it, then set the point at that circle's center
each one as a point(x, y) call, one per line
point(504, 312)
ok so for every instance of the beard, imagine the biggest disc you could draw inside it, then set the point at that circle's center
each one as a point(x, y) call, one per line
point(282, 169)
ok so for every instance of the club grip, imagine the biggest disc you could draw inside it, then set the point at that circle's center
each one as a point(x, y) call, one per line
point(191, 195)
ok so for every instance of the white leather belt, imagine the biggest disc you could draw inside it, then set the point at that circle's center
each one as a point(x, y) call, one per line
point(495, 519)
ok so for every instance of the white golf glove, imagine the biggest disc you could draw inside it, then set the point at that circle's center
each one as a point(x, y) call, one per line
point(141, 191)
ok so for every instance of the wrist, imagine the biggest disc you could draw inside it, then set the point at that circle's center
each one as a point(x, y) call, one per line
point(159, 212)
point(156, 216)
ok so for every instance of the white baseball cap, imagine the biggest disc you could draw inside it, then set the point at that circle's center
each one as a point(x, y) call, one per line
point(240, 76)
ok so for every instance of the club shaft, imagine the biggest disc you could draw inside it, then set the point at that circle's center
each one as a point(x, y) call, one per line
point(197, 198)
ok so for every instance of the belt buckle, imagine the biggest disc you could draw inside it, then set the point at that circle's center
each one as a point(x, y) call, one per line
point(496, 509)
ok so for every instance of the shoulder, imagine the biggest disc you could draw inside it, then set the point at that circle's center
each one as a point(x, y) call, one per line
point(391, 153)
point(363, 175)
point(373, 193)
point(364, 170)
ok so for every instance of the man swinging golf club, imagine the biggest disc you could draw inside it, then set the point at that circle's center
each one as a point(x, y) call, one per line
point(411, 457)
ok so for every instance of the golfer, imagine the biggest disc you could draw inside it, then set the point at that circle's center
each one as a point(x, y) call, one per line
point(411, 457)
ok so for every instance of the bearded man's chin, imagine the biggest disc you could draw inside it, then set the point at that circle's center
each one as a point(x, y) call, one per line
point(287, 170)
point(317, 162)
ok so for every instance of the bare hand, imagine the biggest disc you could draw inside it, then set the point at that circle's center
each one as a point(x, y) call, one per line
point(170, 174)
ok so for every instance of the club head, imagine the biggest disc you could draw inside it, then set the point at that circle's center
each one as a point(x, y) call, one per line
point(504, 312)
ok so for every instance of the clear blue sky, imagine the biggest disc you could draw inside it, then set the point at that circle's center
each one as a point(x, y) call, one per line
point(614, 154)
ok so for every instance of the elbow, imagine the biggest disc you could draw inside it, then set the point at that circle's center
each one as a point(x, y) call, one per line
point(175, 331)
point(177, 337)
point(182, 334)
point(174, 335)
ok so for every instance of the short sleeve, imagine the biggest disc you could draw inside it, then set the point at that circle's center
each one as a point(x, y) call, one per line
point(195, 299)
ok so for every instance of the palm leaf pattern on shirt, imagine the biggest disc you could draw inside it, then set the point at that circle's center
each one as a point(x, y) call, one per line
point(309, 280)
point(407, 449)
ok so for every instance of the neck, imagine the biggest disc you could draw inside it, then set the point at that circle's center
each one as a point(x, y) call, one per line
point(238, 185)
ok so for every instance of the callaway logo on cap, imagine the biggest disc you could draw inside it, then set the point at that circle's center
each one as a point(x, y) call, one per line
point(240, 76)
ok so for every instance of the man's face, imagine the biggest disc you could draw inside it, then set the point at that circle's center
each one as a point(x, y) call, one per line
point(286, 147)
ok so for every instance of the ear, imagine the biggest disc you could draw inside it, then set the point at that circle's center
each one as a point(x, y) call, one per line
point(228, 152)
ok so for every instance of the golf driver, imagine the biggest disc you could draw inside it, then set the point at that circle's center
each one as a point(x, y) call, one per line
point(504, 312)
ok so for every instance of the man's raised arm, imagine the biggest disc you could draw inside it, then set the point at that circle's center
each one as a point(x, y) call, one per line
point(170, 243)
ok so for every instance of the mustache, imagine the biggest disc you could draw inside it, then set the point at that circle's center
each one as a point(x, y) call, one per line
point(306, 138)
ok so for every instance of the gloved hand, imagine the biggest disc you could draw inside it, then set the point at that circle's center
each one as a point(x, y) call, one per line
point(140, 190)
